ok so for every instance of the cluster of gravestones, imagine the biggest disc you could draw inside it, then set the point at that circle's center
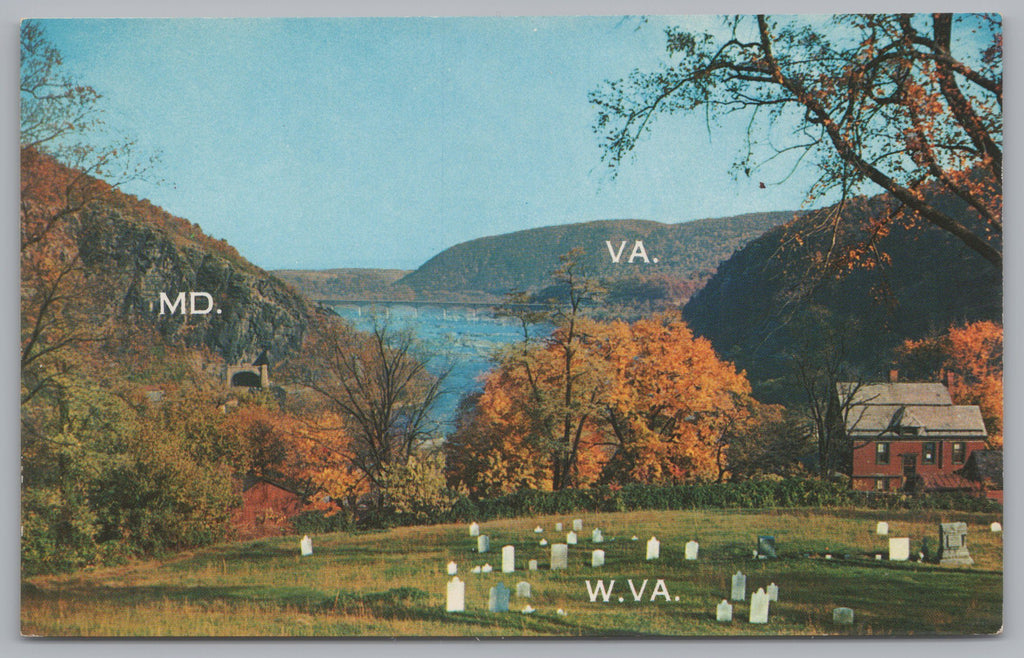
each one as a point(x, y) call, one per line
point(759, 600)
point(952, 544)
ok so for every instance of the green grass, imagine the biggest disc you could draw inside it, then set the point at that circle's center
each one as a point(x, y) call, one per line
point(392, 583)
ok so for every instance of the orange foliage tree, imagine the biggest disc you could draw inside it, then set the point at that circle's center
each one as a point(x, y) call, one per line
point(902, 103)
point(650, 403)
point(973, 353)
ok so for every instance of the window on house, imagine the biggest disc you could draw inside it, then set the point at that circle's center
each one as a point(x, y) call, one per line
point(880, 484)
point(959, 452)
point(928, 452)
point(881, 453)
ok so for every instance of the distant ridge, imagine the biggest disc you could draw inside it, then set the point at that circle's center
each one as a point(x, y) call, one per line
point(524, 260)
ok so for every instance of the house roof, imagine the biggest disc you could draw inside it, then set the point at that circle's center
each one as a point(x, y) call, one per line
point(948, 481)
point(901, 393)
point(890, 410)
point(954, 420)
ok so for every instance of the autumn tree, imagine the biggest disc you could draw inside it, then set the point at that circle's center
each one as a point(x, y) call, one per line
point(378, 386)
point(973, 355)
point(907, 104)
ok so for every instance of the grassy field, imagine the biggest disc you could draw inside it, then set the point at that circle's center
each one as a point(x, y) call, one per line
point(392, 583)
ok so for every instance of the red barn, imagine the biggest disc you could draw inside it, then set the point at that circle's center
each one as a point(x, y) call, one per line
point(909, 436)
point(266, 508)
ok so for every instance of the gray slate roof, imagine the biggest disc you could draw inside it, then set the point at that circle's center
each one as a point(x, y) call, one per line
point(908, 410)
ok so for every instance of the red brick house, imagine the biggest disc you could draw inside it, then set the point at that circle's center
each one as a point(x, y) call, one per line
point(909, 437)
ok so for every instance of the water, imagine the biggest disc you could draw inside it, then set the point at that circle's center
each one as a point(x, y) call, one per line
point(461, 338)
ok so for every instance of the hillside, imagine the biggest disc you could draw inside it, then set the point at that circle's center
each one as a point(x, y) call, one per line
point(139, 250)
point(687, 252)
point(762, 309)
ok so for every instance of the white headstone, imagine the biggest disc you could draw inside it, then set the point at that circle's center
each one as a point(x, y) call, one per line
point(634, 538)
point(538, 529)
point(483, 544)
point(532, 565)
point(543, 542)
point(577, 525)
point(597, 558)
point(558, 527)
point(452, 568)
point(724, 611)
point(474, 529)
point(508, 559)
point(596, 536)
point(842, 615)
point(560, 612)
point(571, 539)
point(523, 590)
point(882, 528)
point(899, 548)
point(559, 556)
point(996, 526)
point(759, 607)
point(828, 556)
point(497, 600)
point(653, 548)
point(773, 592)
point(527, 609)
point(476, 569)
point(690, 550)
point(306, 546)
point(486, 569)
point(739, 587)
point(456, 599)
point(878, 556)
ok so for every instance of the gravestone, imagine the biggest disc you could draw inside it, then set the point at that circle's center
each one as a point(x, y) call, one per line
point(597, 558)
point(559, 556)
point(543, 542)
point(523, 590)
point(899, 549)
point(474, 529)
point(882, 528)
point(456, 599)
point(571, 538)
point(739, 587)
point(842, 616)
point(532, 565)
point(653, 548)
point(596, 536)
point(486, 569)
point(724, 611)
point(759, 607)
point(508, 559)
point(766, 546)
point(996, 526)
point(528, 609)
point(558, 527)
point(773, 592)
point(452, 568)
point(483, 544)
point(538, 529)
point(690, 550)
point(476, 569)
point(577, 525)
point(306, 546)
point(497, 600)
point(953, 544)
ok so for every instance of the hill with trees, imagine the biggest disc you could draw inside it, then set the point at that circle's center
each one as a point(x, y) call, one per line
point(680, 255)
point(848, 291)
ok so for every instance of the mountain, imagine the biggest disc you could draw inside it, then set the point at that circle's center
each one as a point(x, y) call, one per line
point(524, 260)
point(769, 305)
point(139, 250)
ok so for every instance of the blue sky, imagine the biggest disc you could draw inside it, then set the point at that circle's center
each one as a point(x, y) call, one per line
point(317, 143)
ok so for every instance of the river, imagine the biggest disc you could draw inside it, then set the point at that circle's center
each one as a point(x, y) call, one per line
point(455, 337)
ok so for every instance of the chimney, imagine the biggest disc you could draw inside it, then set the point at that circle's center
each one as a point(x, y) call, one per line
point(894, 375)
point(950, 380)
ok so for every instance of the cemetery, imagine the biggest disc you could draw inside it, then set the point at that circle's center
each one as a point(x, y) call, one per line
point(684, 573)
